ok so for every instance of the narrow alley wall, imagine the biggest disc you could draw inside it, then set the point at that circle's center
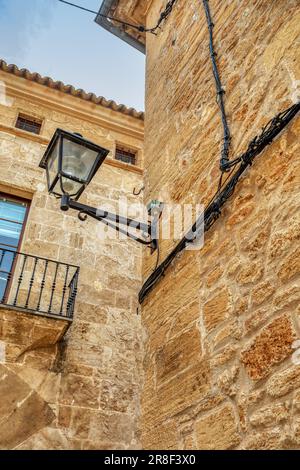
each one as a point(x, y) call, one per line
point(221, 323)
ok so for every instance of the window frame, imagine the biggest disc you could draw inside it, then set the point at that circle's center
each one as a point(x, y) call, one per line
point(12, 198)
point(30, 118)
point(128, 149)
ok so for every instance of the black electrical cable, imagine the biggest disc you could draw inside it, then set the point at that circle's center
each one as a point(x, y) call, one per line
point(213, 210)
point(220, 91)
point(163, 16)
point(139, 28)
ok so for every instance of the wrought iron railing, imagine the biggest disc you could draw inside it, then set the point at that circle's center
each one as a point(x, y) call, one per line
point(37, 285)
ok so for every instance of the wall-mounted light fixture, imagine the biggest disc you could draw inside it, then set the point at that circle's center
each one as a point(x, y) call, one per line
point(71, 162)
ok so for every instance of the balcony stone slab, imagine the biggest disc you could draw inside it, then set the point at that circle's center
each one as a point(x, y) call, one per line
point(26, 337)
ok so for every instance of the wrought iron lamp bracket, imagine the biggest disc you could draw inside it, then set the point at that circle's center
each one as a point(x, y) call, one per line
point(148, 231)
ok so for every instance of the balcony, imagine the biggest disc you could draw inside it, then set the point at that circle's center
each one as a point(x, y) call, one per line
point(37, 285)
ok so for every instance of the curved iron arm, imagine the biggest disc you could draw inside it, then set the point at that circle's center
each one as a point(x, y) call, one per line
point(107, 218)
point(125, 232)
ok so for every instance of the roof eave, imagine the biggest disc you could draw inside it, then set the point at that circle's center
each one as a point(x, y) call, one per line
point(117, 31)
point(69, 90)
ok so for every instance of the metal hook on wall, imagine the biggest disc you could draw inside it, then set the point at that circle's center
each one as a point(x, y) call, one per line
point(137, 193)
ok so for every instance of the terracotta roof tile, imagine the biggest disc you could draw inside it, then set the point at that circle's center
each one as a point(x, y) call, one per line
point(70, 90)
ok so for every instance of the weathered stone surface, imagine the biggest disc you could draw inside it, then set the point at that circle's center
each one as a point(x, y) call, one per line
point(185, 316)
point(256, 319)
point(189, 442)
point(186, 389)
point(262, 292)
point(290, 266)
point(226, 354)
point(117, 394)
point(210, 402)
point(91, 313)
point(284, 381)
point(80, 422)
point(265, 440)
point(240, 306)
point(295, 432)
point(269, 347)
point(45, 383)
point(64, 416)
point(283, 239)
point(270, 415)
point(296, 401)
point(164, 436)
point(47, 439)
point(240, 215)
point(178, 354)
point(78, 390)
point(287, 297)
point(214, 276)
point(227, 381)
point(230, 331)
point(250, 274)
point(216, 310)
point(112, 428)
point(257, 243)
point(217, 430)
point(22, 411)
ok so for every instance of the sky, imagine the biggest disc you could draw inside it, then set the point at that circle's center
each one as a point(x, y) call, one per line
point(65, 43)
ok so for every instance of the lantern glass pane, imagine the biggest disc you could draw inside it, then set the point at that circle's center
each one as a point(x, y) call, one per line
point(52, 165)
point(70, 187)
point(78, 161)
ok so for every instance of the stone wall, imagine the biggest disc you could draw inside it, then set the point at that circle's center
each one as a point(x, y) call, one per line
point(222, 321)
point(81, 391)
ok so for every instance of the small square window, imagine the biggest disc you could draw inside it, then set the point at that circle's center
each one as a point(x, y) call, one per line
point(29, 124)
point(125, 155)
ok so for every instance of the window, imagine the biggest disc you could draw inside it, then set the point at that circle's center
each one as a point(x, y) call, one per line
point(13, 214)
point(125, 155)
point(29, 124)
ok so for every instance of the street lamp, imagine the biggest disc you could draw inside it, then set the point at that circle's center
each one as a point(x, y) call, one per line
point(71, 162)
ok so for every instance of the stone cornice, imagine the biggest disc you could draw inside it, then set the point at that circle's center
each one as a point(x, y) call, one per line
point(24, 134)
point(52, 99)
point(44, 141)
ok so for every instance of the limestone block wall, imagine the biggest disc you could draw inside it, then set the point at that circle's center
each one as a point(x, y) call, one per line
point(29, 383)
point(221, 324)
point(83, 390)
